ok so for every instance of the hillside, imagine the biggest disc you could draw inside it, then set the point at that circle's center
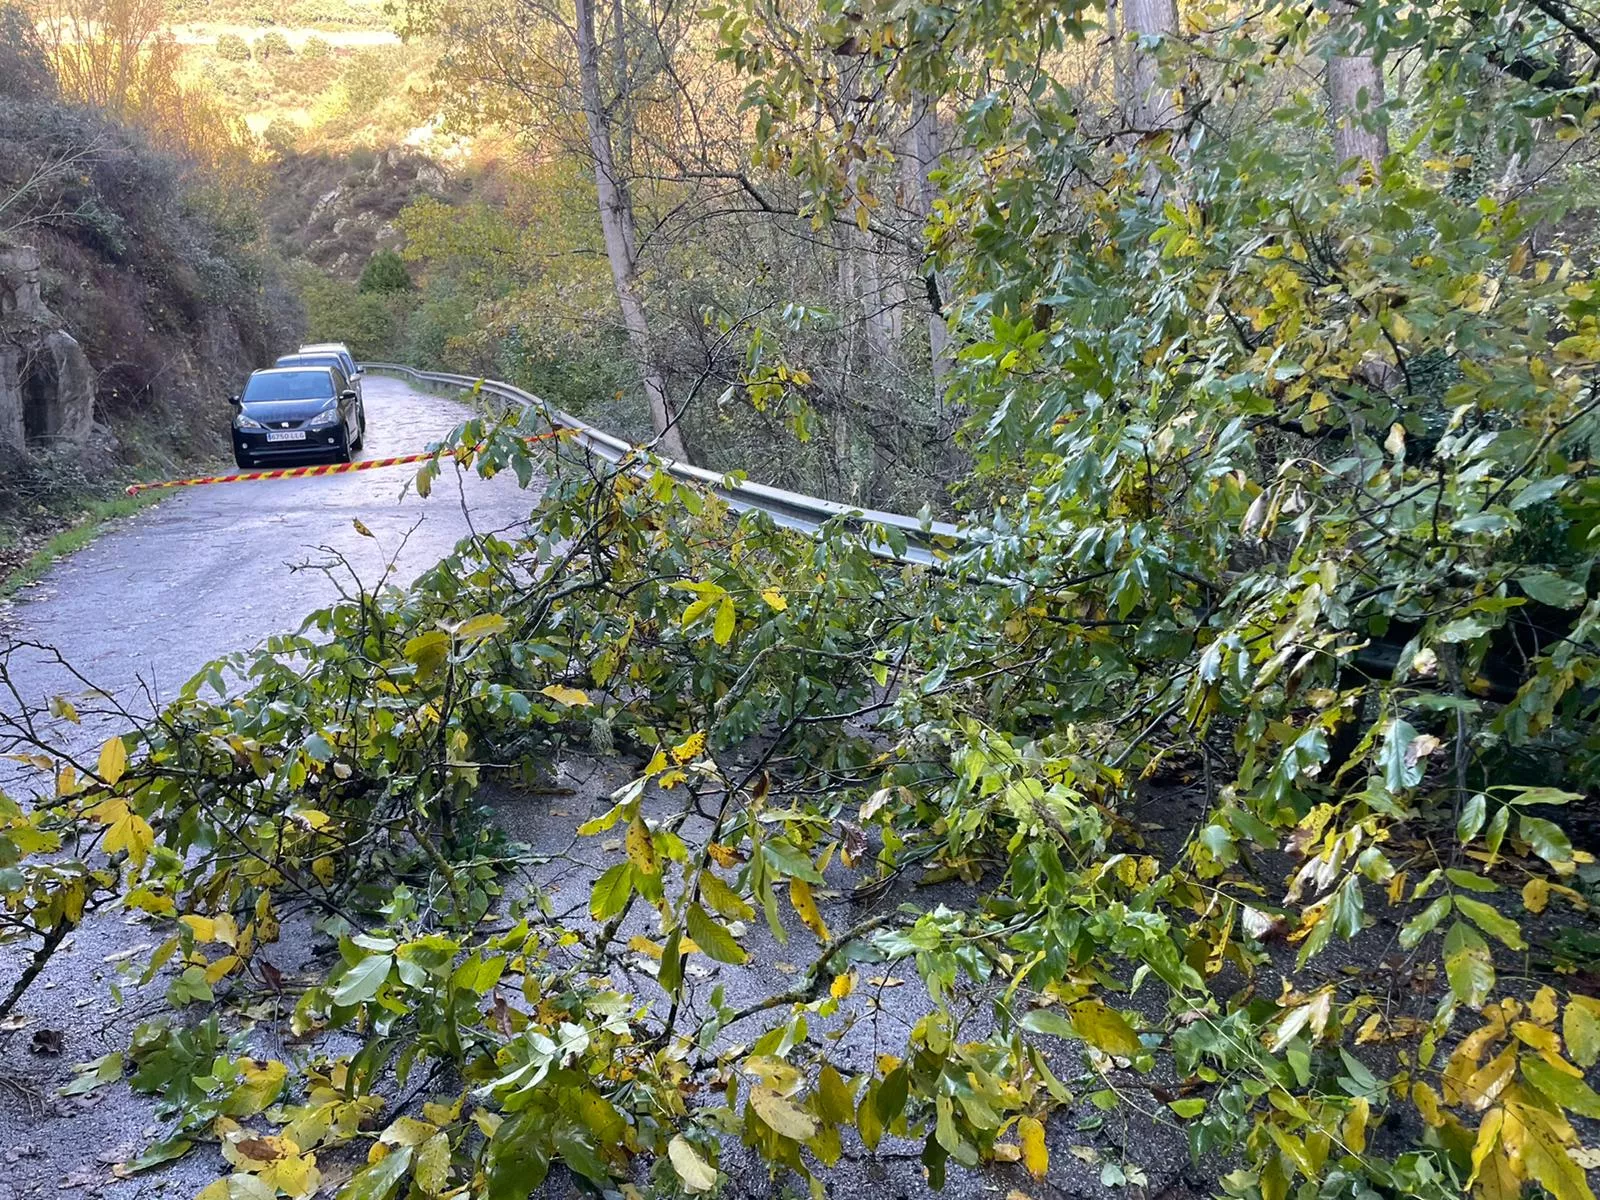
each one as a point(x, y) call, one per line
point(156, 272)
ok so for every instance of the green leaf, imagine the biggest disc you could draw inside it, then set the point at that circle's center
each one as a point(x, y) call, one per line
point(1401, 771)
point(379, 1180)
point(1186, 1109)
point(1549, 588)
point(1472, 818)
point(1468, 964)
point(1425, 922)
point(1492, 921)
point(1569, 1091)
point(714, 938)
point(1048, 1021)
point(361, 981)
point(610, 893)
point(1546, 838)
point(1470, 880)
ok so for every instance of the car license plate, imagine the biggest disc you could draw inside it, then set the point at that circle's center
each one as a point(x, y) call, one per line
point(292, 435)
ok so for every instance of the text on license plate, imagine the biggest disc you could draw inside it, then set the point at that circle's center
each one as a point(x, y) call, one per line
point(292, 435)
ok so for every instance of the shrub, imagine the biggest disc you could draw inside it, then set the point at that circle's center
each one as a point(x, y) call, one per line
point(316, 48)
point(272, 44)
point(385, 272)
point(233, 48)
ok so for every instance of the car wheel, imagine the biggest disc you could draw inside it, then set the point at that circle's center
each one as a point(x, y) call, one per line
point(341, 452)
point(241, 459)
point(361, 441)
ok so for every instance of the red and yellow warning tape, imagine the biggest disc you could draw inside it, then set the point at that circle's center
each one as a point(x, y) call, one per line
point(365, 464)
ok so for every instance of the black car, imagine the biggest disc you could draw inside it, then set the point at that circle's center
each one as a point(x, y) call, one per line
point(291, 411)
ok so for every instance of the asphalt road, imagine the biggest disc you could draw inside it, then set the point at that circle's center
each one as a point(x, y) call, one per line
point(217, 569)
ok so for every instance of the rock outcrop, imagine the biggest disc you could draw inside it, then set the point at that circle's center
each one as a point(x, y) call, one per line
point(47, 385)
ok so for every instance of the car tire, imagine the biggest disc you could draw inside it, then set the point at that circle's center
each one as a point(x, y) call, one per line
point(242, 460)
point(361, 442)
point(341, 452)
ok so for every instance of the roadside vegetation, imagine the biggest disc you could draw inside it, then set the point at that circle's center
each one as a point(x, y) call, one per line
point(139, 201)
point(1231, 783)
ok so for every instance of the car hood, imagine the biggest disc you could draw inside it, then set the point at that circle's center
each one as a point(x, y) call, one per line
point(271, 411)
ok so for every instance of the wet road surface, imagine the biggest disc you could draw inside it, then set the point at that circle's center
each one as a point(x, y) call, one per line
point(211, 570)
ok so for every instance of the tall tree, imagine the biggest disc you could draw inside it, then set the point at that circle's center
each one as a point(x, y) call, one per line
point(1355, 97)
point(617, 226)
point(922, 153)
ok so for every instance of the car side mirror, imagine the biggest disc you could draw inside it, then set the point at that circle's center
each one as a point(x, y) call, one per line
point(347, 394)
point(233, 400)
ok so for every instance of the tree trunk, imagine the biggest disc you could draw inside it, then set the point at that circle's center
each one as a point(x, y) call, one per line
point(1355, 99)
point(922, 157)
point(1152, 107)
point(616, 224)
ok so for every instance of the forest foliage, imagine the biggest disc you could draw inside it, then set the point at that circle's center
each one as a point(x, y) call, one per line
point(1272, 336)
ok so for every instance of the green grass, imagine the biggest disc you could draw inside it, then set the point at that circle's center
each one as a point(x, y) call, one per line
point(94, 519)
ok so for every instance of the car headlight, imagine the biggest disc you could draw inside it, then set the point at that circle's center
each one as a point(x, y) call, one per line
point(326, 418)
point(243, 422)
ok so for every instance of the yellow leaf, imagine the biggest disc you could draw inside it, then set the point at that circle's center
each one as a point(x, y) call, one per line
point(221, 967)
point(113, 760)
point(132, 833)
point(476, 629)
point(805, 906)
point(1485, 1084)
point(842, 985)
point(407, 1131)
point(571, 697)
point(722, 630)
point(1355, 1124)
point(774, 599)
point(1104, 1028)
point(1427, 1102)
point(323, 869)
point(1035, 1154)
point(1535, 895)
point(260, 1084)
point(781, 1114)
point(1543, 1007)
point(203, 928)
point(1537, 1142)
point(862, 218)
point(641, 850)
point(692, 747)
point(1395, 443)
point(696, 1173)
point(361, 527)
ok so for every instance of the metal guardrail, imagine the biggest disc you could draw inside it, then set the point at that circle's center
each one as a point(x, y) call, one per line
point(926, 543)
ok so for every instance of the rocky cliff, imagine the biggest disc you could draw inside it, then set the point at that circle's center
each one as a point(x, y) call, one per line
point(336, 212)
point(46, 382)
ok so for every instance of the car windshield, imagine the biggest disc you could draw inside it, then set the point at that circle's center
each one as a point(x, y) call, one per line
point(288, 385)
point(310, 360)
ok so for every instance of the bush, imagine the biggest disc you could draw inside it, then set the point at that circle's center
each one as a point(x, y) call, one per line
point(316, 48)
point(233, 48)
point(385, 272)
point(272, 44)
